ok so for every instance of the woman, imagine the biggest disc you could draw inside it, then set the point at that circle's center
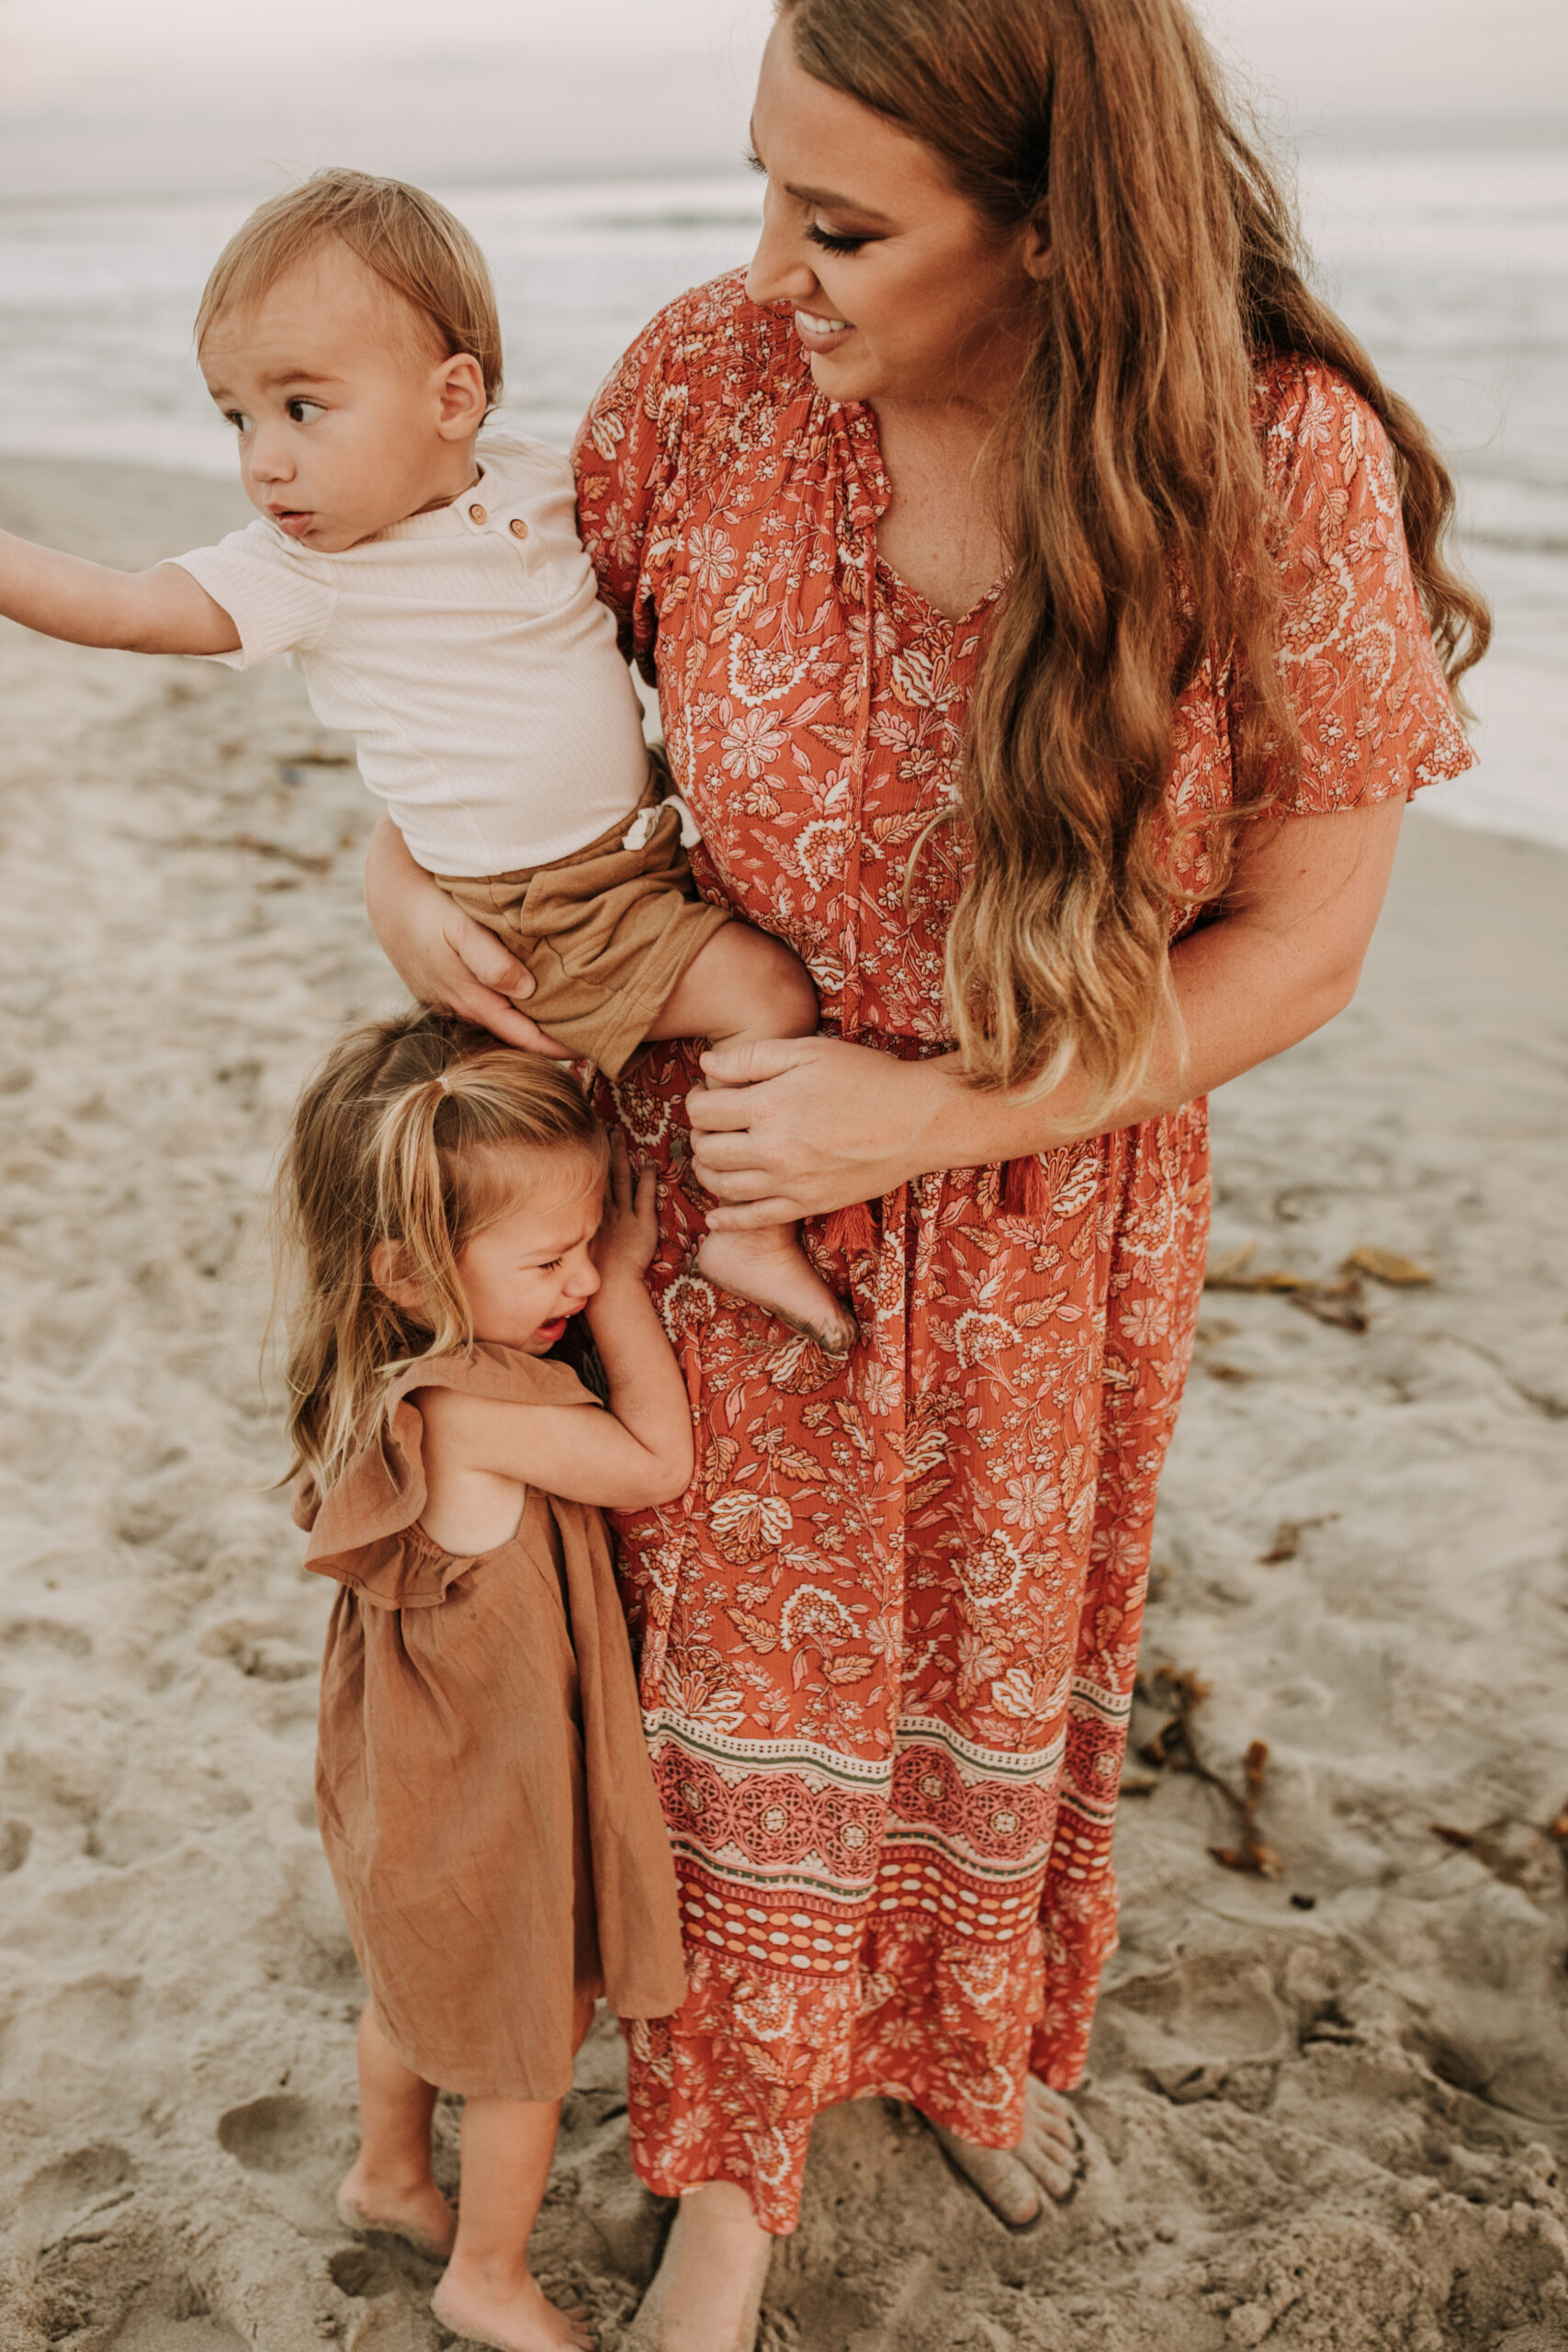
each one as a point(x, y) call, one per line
point(1023, 473)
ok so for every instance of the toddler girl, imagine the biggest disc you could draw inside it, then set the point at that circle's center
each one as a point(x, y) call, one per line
point(432, 585)
point(484, 1791)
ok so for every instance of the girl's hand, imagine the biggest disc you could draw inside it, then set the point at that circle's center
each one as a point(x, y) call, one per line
point(628, 1235)
point(791, 1127)
point(441, 953)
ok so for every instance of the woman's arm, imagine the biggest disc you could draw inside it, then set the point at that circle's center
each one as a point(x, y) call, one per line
point(795, 1128)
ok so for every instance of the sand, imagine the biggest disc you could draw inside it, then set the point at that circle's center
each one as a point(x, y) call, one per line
point(1325, 2108)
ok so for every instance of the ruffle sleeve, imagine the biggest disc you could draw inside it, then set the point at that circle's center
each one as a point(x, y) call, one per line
point(694, 394)
point(365, 1533)
point(1375, 716)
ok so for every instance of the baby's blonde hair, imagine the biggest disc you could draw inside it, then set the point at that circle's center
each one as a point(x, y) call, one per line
point(396, 1140)
point(409, 241)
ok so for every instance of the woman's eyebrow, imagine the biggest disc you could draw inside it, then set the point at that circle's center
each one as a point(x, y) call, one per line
point(832, 203)
point(819, 195)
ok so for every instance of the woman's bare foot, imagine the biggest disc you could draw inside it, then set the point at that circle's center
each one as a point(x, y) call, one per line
point(510, 2312)
point(1047, 2156)
point(770, 1268)
point(708, 2294)
point(413, 2210)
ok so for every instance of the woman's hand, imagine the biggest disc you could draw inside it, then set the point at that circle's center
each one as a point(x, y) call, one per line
point(794, 1127)
point(442, 956)
point(791, 1128)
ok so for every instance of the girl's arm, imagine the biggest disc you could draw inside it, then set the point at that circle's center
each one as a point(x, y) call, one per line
point(638, 1451)
point(798, 1128)
point(160, 611)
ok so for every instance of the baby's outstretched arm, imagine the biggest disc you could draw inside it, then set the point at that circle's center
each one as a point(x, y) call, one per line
point(160, 611)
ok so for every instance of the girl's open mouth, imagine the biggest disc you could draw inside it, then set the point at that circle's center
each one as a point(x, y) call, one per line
point(550, 1332)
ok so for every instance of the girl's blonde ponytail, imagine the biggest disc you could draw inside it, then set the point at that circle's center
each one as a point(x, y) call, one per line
point(398, 1142)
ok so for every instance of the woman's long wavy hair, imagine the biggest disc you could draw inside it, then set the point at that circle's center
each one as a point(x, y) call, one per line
point(406, 1136)
point(1136, 514)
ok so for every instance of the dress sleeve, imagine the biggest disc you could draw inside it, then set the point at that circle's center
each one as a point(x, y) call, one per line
point(629, 459)
point(1374, 712)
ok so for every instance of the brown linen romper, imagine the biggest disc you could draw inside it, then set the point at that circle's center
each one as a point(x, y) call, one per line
point(482, 1783)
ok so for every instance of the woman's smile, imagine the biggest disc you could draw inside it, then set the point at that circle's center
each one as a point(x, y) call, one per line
point(820, 333)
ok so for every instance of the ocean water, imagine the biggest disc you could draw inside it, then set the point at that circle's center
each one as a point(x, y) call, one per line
point(1451, 266)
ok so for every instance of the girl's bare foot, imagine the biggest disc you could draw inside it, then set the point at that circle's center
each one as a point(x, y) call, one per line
point(770, 1268)
point(708, 2294)
point(413, 2210)
point(509, 2311)
point(1047, 2156)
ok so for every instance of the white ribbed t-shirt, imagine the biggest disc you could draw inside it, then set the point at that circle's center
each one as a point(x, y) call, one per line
point(468, 654)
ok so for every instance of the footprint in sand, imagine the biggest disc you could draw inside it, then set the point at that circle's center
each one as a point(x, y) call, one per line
point(271, 2134)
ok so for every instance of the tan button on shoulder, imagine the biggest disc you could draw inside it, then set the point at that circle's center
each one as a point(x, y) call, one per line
point(477, 514)
point(518, 528)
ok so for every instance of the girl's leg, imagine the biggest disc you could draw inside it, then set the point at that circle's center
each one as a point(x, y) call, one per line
point(488, 2294)
point(391, 2186)
point(708, 2294)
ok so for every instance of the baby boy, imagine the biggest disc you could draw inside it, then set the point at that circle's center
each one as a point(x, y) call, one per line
point(429, 580)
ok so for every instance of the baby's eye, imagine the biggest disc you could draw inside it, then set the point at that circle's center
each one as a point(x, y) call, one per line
point(238, 419)
point(830, 243)
point(549, 1266)
point(302, 412)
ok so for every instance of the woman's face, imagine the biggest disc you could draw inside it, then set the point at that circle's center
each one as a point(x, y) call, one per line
point(900, 290)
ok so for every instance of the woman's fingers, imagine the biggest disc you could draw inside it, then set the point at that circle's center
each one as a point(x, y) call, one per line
point(712, 1109)
point(746, 1216)
point(736, 1183)
point(760, 1058)
point(734, 1148)
point(491, 964)
point(488, 1011)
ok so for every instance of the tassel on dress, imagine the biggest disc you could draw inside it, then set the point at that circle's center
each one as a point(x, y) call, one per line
point(852, 1230)
point(1025, 1190)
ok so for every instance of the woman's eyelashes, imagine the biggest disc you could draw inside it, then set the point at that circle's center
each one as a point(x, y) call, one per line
point(831, 244)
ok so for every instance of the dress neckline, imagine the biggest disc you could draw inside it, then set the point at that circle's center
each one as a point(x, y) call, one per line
point(863, 434)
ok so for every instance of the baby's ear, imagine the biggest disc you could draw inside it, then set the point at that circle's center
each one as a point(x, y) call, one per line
point(391, 1271)
point(464, 401)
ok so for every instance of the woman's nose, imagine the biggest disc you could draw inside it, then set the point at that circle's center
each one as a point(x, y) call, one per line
point(779, 272)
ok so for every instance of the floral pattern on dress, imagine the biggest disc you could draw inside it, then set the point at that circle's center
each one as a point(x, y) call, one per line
point(887, 1640)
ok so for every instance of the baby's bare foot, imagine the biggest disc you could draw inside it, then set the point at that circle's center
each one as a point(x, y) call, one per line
point(772, 1270)
point(1047, 2155)
point(416, 2212)
point(510, 2315)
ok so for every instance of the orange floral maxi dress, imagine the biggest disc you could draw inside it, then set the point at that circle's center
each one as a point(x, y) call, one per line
point(888, 1637)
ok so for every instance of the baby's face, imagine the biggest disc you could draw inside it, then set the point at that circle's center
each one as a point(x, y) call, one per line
point(348, 419)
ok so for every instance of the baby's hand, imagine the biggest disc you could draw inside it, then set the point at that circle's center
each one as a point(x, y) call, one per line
point(628, 1235)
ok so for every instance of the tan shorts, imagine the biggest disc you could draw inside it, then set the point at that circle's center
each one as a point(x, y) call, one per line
point(606, 933)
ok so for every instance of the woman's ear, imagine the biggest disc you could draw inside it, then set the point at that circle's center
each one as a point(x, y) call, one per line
point(389, 1273)
point(460, 386)
point(1035, 249)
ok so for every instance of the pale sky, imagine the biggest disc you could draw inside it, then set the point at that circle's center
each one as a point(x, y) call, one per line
point(150, 94)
